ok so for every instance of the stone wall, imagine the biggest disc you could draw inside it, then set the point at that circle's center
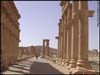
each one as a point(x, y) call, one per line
point(26, 52)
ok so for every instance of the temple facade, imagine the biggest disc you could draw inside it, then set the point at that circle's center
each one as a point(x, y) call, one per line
point(10, 32)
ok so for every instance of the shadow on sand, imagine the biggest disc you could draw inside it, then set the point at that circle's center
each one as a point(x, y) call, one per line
point(43, 68)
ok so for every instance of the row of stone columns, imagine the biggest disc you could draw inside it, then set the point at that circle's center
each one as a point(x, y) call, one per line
point(9, 33)
point(73, 36)
point(46, 49)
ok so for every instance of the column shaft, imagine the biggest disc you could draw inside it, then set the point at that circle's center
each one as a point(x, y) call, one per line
point(75, 33)
point(69, 31)
point(63, 39)
point(83, 35)
point(43, 48)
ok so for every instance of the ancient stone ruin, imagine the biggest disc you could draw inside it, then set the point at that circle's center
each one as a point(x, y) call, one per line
point(73, 37)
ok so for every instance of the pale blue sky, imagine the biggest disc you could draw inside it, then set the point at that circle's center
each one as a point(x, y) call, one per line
point(39, 20)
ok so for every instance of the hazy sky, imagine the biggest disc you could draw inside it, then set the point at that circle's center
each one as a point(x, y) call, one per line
point(39, 20)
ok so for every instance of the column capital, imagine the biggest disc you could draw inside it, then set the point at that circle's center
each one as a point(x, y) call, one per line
point(66, 7)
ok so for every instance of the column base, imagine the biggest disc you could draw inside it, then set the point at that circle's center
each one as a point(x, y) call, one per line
point(47, 58)
point(57, 60)
point(83, 64)
point(60, 61)
point(83, 71)
point(63, 62)
point(72, 63)
point(43, 56)
point(66, 63)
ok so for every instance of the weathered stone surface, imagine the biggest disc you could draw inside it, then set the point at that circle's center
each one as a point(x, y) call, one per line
point(27, 52)
point(73, 37)
point(9, 32)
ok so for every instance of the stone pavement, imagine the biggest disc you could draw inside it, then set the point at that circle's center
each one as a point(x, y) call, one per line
point(33, 66)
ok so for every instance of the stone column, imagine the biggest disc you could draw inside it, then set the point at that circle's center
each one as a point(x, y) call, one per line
point(61, 34)
point(83, 35)
point(47, 50)
point(43, 48)
point(58, 52)
point(63, 40)
point(83, 66)
point(59, 41)
point(69, 32)
point(47, 45)
point(65, 37)
point(22, 53)
point(57, 37)
point(75, 33)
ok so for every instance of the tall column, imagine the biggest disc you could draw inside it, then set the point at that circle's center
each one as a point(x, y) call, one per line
point(63, 39)
point(64, 43)
point(83, 35)
point(61, 34)
point(57, 37)
point(58, 52)
point(83, 66)
point(75, 33)
point(43, 48)
point(48, 50)
point(69, 32)
point(66, 17)
point(60, 44)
